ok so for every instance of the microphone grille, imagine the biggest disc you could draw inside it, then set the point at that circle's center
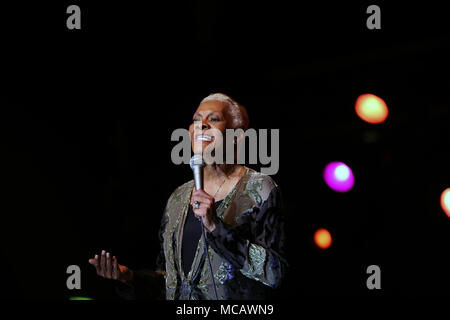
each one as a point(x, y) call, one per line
point(196, 160)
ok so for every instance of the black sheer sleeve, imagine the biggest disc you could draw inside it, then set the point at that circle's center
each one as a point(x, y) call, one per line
point(256, 246)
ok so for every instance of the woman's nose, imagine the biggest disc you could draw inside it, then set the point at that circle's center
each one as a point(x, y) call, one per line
point(202, 125)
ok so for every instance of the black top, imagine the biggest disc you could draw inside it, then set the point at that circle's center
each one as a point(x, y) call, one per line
point(191, 235)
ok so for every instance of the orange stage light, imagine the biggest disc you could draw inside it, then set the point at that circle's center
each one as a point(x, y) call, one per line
point(371, 108)
point(322, 238)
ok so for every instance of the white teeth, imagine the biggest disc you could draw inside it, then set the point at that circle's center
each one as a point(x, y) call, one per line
point(204, 138)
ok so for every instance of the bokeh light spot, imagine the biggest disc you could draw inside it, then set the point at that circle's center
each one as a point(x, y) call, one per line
point(371, 108)
point(445, 201)
point(322, 238)
point(338, 176)
point(342, 172)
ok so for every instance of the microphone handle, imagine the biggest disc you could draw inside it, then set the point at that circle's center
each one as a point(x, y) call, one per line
point(198, 177)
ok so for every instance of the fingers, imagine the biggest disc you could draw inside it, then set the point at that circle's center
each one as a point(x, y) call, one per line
point(115, 269)
point(105, 265)
point(202, 200)
point(201, 205)
point(108, 271)
point(200, 212)
point(96, 263)
point(202, 195)
point(206, 203)
point(208, 221)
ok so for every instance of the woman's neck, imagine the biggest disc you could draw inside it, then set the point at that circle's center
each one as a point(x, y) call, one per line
point(219, 180)
point(219, 172)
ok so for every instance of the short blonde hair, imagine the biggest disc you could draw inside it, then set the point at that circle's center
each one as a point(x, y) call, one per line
point(236, 110)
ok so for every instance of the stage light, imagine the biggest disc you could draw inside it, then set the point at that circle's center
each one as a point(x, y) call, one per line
point(322, 238)
point(338, 176)
point(371, 108)
point(80, 298)
point(445, 201)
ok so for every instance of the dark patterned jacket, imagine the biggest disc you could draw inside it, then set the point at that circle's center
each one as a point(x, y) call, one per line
point(246, 248)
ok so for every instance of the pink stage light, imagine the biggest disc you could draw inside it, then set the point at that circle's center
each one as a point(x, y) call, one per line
point(338, 176)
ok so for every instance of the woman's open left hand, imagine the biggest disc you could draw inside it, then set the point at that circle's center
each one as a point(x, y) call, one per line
point(206, 210)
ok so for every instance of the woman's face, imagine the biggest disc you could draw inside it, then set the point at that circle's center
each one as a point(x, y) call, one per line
point(210, 118)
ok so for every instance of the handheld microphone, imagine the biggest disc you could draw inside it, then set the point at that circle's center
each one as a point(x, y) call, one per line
point(197, 165)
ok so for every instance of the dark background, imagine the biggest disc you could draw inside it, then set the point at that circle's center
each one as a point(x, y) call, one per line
point(87, 115)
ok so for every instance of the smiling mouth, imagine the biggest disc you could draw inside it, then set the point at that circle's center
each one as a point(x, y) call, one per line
point(204, 137)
